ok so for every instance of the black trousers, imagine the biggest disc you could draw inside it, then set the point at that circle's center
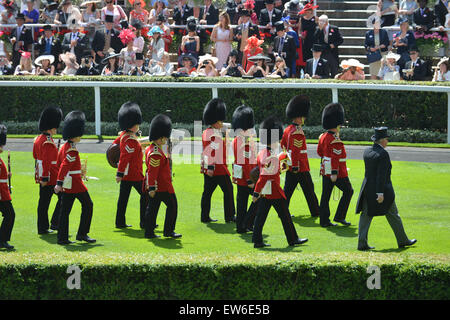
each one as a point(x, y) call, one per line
point(281, 207)
point(87, 206)
point(327, 187)
point(305, 180)
point(9, 216)
point(210, 184)
point(45, 197)
point(170, 200)
point(244, 218)
point(124, 195)
point(332, 62)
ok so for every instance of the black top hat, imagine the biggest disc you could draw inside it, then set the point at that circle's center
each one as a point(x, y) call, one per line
point(298, 106)
point(332, 116)
point(245, 13)
point(161, 17)
point(413, 48)
point(74, 124)
point(161, 126)
point(124, 24)
point(317, 48)
point(270, 131)
point(129, 115)
point(109, 18)
point(47, 27)
point(50, 118)
point(20, 16)
point(279, 26)
point(380, 133)
point(269, 1)
point(243, 118)
point(51, 3)
point(215, 110)
point(3, 131)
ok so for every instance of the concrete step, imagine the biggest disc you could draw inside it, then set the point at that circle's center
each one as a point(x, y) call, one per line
point(354, 40)
point(345, 5)
point(356, 50)
point(352, 31)
point(353, 22)
point(349, 14)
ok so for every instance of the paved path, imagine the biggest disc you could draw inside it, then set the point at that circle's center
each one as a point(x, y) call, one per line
point(435, 155)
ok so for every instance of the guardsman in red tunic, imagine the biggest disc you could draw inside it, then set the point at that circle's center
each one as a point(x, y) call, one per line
point(244, 150)
point(129, 170)
point(294, 143)
point(6, 207)
point(333, 167)
point(268, 191)
point(158, 179)
point(70, 181)
point(214, 162)
point(45, 152)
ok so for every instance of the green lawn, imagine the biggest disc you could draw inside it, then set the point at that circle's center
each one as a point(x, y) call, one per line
point(423, 200)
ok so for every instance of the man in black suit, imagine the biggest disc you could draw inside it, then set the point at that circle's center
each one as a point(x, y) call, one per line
point(317, 67)
point(181, 12)
point(209, 15)
point(417, 68)
point(75, 42)
point(21, 39)
point(233, 10)
point(329, 37)
point(440, 10)
point(423, 17)
point(48, 44)
point(377, 196)
point(244, 31)
point(284, 46)
point(269, 16)
point(104, 40)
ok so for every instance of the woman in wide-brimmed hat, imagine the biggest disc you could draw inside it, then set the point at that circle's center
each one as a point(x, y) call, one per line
point(259, 69)
point(352, 70)
point(251, 49)
point(187, 61)
point(442, 72)
point(389, 69)
point(70, 60)
point(157, 46)
point(45, 65)
point(111, 62)
point(207, 66)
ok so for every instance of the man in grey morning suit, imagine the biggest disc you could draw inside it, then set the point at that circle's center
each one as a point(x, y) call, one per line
point(377, 196)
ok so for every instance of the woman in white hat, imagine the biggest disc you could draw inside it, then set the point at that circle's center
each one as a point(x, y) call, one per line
point(207, 66)
point(352, 70)
point(70, 61)
point(45, 65)
point(389, 69)
point(260, 69)
point(442, 72)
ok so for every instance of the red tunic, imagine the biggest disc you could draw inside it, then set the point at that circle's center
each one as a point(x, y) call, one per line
point(45, 152)
point(245, 158)
point(268, 184)
point(214, 155)
point(332, 151)
point(70, 167)
point(294, 142)
point(158, 176)
point(130, 161)
point(4, 189)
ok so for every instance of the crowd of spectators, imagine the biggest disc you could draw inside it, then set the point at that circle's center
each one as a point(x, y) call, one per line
point(247, 38)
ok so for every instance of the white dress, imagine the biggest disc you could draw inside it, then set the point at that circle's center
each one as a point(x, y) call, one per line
point(129, 60)
point(222, 48)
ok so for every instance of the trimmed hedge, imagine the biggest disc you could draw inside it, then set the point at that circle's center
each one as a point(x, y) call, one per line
point(364, 108)
point(257, 276)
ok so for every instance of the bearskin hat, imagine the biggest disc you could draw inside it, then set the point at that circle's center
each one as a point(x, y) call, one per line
point(332, 116)
point(2, 134)
point(161, 126)
point(243, 118)
point(270, 131)
point(298, 106)
point(215, 110)
point(129, 115)
point(50, 118)
point(74, 124)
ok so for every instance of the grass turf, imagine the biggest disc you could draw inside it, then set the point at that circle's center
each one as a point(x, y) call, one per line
point(422, 198)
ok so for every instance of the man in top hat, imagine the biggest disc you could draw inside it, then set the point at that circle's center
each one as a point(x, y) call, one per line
point(317, 67)
point(104, 40)
point(48, 44)
point(75, 42)
point(244, 149)
point(181, 12)
point(45, 153)
point(269, 16)
point(158, 179)
point(6, 207)
point(209, 15)
point(244, 31)
point(214, 162)
point(377, 196)
point(294, 144)
point(21, 39)
point(333, 168)
point(284, 46)
point(268, 191)
point(129, 170)
point(329, 37)
point(423, 17)
point(70, 181)
point(416, 69)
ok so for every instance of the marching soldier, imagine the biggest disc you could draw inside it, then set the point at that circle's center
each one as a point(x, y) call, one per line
point(244, 150)
point(158, 179)
point(377, 196)
point(70, 181)
point(294, 142)
point(268, 191)
point(214, 162)
point(6, 207)
point(333, 167)
point(129, 171)
point(45, 152)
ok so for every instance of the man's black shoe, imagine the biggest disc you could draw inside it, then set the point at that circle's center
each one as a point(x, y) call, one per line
point(6, 245)
point(298, 241)
point(365, 248)
point(209, 220)
point(123, 226)
point(86, 238)
point(233, 219)
point(45, 231)
point(55, 228)
point(409, 243)
point(152, 236)
point(345, 223)
point(173, 235)
point(328, 224)
point(65, 242)
point(261, 245)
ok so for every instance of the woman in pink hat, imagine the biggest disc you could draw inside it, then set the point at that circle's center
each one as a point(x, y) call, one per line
point(25, 67)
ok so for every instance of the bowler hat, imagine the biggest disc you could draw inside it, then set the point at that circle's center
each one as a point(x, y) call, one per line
point(380, 133)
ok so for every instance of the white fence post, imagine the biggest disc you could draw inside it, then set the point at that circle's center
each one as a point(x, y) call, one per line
point(98, 124)
point(215, 93)
point(335, 96)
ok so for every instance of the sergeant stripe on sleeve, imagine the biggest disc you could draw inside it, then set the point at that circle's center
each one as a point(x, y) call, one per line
point(129, 150)
point(71, 159)
point(154, 162)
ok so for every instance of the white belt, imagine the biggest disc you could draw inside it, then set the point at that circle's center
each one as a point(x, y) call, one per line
point(303, 151)
point(40, 161)
point(3, 180)
point(74, 172)
point(343, 160)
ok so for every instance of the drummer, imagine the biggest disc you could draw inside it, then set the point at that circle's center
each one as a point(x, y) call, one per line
point(260, 69)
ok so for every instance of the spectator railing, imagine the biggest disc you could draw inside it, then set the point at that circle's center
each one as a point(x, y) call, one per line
point(334, 87)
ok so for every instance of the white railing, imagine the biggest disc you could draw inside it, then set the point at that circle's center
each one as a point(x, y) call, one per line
point(214, 86)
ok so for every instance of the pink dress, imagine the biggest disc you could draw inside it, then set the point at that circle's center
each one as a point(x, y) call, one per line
point(222, 48)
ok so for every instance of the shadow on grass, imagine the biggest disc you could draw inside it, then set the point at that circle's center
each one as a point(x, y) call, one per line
point(81, 246)
point(222, 227)
point(306, 221)
point(167, 243)
point(248, 236)
point(286, 249)
point(391, 250)
point(133, 233)
point(344, 231)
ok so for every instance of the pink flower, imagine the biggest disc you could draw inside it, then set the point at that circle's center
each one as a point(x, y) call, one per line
point(445, 39)
point(427, 36)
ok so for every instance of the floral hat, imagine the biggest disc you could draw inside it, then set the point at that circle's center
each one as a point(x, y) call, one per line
point(253, 42)
point(127, 36)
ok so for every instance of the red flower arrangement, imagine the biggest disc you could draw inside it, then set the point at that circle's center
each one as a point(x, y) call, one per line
point(127, 36)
